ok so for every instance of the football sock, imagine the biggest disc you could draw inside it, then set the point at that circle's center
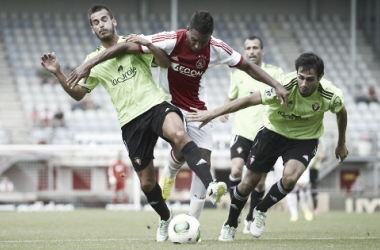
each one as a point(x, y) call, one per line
point(291, 200)
point(233, 183)
point(304, 199)
point(256, 196)
point(157, 202)
point(198, 197)
point(314, 194)
point(173, 166)
point(197, 163)
point(237, 204)
point(275, 194)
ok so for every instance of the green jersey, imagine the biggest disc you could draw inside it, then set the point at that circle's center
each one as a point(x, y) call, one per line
point(129, 82)
point(303, 120)
point(248, 121)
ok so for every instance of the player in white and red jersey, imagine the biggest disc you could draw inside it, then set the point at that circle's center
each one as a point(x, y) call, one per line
point(192, 51)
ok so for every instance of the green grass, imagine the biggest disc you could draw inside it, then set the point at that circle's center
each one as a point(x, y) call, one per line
point(100, 229)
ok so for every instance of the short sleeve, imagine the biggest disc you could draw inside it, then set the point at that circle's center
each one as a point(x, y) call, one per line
point(163, 40)
point(337, 101)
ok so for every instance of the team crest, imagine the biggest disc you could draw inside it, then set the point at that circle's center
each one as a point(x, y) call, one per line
point(315, 106)
point(337, 102)
point(137, 160)
point(239, 150)
point(201, 63)
point(252, 159)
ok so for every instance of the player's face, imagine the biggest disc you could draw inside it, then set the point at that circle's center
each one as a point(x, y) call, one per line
point(103, 26)
point(307, 81)
point(253, 51)
point(195, 40)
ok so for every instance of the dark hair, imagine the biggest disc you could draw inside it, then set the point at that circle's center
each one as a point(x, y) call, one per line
point(258, 38)
point(98, 7)
point(310, 61)
point(202, 22)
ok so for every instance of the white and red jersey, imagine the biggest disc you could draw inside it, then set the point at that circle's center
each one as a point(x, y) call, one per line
point(183, 81)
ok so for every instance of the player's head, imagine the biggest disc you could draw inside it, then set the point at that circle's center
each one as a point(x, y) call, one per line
point(254, 50)
point(310, 70)
point(200, 30)
point(102, 22)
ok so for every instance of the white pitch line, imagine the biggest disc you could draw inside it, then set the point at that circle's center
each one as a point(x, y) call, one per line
point(139, 239)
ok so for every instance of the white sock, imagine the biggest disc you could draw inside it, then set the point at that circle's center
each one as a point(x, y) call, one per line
point(291, 199)
point(173, 166)
point(198, 197)
point(304, 198)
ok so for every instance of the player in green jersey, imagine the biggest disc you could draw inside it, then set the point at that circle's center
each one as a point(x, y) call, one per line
point(247, 121)
point(292, 133)
point(143, 109)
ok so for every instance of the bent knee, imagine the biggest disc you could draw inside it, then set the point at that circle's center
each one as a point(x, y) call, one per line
point(147, 186)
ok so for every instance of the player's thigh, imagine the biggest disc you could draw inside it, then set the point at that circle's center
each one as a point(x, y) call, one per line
point(139, 140)
point(300, 150)
point(237, 166)
point(265, 151)
point(240, 147)
point(202, 137)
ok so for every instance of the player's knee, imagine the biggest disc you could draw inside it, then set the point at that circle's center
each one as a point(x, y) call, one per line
point(147, 185)
point(180, 138)
point(289, 182)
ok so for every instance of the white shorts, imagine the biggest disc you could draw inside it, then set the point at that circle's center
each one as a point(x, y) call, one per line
point(202, 137)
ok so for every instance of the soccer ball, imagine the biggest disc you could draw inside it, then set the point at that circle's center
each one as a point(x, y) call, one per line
point(184, 229)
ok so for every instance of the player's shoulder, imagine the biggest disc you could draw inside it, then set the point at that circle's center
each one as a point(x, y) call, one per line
point(219, 45)
point(328, 89)
point(289, 80)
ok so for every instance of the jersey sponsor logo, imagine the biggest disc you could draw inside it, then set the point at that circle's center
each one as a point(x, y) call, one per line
point(186, 71)
point(315, 106)
point(270, 92)
point(125, 76)
point(337, 102)
point(292, 117)
point(201, 63)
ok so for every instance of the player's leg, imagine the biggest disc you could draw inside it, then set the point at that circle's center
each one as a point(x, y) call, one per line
point(256, 196)
point(292, 201)
point(314, 188)
point(172, 129)
point(296, 156)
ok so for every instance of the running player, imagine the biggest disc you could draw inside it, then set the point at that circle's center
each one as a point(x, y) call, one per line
point(291, 133)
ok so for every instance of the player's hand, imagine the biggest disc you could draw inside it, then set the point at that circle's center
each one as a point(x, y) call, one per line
point(203, 116)
point(81, 72)
point(341, 152)
point(282, 95)
point(50, 62)
point(224, 118)
point(138, 40)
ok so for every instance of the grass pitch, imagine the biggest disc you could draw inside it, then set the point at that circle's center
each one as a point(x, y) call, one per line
point(101, 229)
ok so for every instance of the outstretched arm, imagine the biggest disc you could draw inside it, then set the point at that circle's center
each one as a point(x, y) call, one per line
point(51, 63)
point(257, 73)
point(341, 150)
point(224, 118)
point(206, 116)
point(130, 46)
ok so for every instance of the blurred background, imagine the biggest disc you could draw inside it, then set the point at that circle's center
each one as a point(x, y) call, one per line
point(54, 149)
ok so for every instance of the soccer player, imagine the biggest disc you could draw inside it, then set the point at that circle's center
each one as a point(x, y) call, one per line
point(247, 121)
point(117, 173)
point(143, 110)
point(291, 133)
point(192, 51)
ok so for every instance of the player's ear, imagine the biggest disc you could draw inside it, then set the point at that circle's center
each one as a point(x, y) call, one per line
point(114, 22)
point(92, 29)
point(187, 29)
point(319, 78)
point(262, 51)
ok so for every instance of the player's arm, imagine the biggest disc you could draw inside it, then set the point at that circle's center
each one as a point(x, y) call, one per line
point(206, 116)
point(51, 63)
point(224, 118)
point(257, 73)
point(341, 150)
point(129, 47)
